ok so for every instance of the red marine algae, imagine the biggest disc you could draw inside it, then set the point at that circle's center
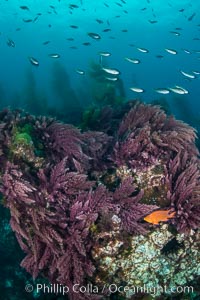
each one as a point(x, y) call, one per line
point(64, 188)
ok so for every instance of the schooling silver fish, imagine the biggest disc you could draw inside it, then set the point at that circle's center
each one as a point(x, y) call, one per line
point(132, 60)
point(163, 91)
point(54, 55)
point(178, 90)
point(94, 36)
point(143, 50)
point(137, 90)
point(80, 72)
point(111, 78)
point(171, 51)
point(10, 43)
point(191, 76)
point(33, 61)
point(106, 54)
point(111, 71)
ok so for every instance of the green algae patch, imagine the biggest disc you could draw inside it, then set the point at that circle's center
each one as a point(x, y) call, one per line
point(24, 146)
point(23, 138)
point(22, 134)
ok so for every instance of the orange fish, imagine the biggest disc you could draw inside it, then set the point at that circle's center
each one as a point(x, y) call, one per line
point(159, 216)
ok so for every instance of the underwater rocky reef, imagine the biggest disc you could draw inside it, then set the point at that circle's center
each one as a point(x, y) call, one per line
point(115, 205)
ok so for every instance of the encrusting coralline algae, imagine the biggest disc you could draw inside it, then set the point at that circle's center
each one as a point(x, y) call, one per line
point(143, 266)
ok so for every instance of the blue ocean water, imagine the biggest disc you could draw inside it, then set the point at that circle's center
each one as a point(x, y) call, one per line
point(150, 24)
